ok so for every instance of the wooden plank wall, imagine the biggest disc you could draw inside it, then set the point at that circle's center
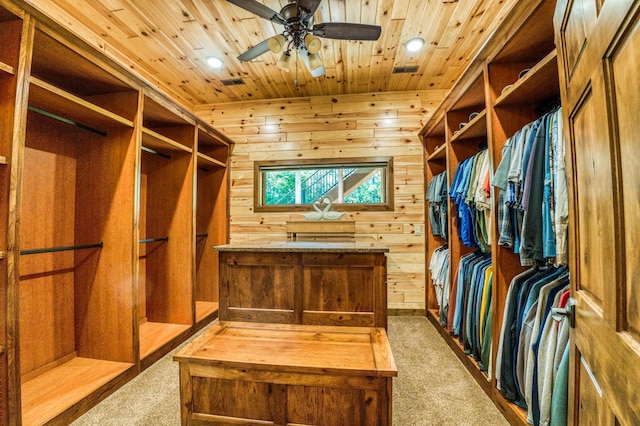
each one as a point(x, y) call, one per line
point(365, 125)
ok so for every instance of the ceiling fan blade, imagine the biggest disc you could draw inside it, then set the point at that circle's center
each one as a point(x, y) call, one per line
point(347, 31)
point(255, 51)
point(309, 6)
point(259, 9)
point(304, 55)
point(317, 72)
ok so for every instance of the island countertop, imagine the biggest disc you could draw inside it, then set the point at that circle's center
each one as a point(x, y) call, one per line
point(302, 247)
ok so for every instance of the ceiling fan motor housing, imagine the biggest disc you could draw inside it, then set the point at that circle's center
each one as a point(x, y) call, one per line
point(300, 33)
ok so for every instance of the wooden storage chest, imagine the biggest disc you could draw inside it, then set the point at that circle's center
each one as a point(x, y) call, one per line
point(254, 373)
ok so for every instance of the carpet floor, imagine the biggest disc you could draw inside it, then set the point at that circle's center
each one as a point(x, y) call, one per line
point(432, 387)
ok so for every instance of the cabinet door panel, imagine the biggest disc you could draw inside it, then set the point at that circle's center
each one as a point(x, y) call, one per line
point(258, 287)
point(339, 289)
point(243, 401)
point(310, 405)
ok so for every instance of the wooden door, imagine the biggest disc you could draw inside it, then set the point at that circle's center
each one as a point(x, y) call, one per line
point(599, 52)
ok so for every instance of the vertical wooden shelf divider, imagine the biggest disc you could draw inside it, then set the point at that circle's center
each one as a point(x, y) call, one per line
point(506, 97)
point(11, 27)
point(210, 219)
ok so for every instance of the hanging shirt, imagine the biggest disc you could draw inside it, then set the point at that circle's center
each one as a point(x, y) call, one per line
point(560, 196)
point(505, 362)
point(531, 235)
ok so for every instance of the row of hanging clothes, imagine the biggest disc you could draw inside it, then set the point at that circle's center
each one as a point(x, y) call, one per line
point(533, 351)
point(471, 306)
point(465, 304)
point(439, 271)
point(470, 192)
point(533, 213)
point(532, 358)
point(437, 198)
point(465, 309)
point(532, 363)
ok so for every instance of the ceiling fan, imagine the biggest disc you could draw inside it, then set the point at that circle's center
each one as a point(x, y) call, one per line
point(300, 34)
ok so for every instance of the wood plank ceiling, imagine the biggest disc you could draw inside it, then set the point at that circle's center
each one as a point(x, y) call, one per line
point(167, 43)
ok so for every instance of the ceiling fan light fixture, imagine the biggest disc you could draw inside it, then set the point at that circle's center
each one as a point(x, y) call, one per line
point(214, 62)
point(284, 61)
point(314, 61)
point(312, 43)
point(414, 44)
point(276, 43)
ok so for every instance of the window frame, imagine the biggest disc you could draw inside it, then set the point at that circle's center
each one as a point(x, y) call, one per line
point(258, 184)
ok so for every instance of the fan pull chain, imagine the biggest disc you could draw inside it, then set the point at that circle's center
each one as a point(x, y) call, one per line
point(297, 58)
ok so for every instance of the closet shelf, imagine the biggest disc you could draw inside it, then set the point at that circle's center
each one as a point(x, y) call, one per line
point(51, 99)
point(538, 85)
point(475, 129)
point(205, 309)
point(436, 131)
point(161, 143)
point(473, 95)
point(469, 362)
point(439, 154)
point(50, 393)
point(6, 68)
point(206, 161)
point(154, 335)
point(206, 139)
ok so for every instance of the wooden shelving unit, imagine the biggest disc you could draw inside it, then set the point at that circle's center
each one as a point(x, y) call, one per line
point(505, 98)
point(98, 241)
point(436, 147)
point(211, 204)
point(165, 295)
point(75, 283)
point(535, 86)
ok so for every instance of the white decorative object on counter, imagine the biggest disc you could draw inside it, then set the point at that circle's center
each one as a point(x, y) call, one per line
point(326, 214)
point(317, 214)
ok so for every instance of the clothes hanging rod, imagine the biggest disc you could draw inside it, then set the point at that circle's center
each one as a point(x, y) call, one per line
point(66, 120)
point(61, 248)
point(153, 151)
point(153, 240)
point(202, 235)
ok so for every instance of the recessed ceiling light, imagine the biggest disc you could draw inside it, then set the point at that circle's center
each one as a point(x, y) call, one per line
point(414, 44)
point(214, 62)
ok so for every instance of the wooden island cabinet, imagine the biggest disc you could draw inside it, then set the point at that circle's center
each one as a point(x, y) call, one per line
point(301, 339)
point(317, 283)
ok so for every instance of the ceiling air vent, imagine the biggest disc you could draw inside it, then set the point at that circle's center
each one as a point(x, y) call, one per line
point(232, 82)
point(403, 70)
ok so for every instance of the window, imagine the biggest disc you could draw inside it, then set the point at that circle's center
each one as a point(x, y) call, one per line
point(352, 184)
